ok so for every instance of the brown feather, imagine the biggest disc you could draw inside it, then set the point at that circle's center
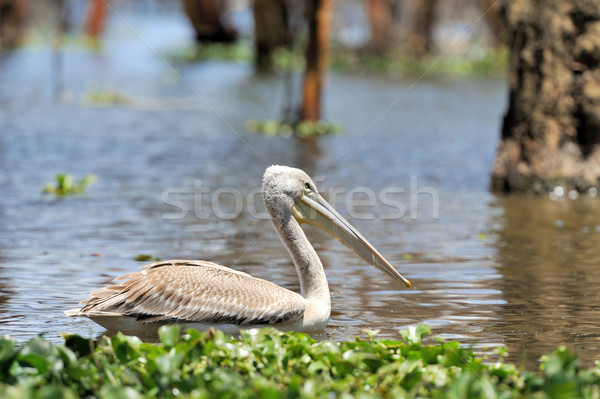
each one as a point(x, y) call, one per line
point(196, 291)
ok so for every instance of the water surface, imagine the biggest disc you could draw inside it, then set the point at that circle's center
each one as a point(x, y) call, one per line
point(487, 270)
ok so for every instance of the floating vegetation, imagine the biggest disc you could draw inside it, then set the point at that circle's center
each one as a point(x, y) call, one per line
point(146, 258)
point(272, 364)
point(97, 97)
point(239, 52)
point(285, 128)
point(479, 60)
point(286, 60)
point(65, 184)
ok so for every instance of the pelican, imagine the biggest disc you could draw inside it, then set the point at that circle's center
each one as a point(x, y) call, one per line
point(202, 294)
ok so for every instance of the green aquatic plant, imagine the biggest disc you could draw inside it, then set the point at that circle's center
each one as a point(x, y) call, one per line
point(476, 59)
point(65, 184)
point(238, 52)
point(96, 97)
point(479, 60)
point(285, 128)
point(283, 59)
point(271, 364)
point(146, 258)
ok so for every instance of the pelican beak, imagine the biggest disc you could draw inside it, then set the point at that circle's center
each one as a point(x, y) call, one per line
point(311, 208)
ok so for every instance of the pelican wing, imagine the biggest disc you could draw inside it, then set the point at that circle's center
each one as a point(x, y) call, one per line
point(196, 291)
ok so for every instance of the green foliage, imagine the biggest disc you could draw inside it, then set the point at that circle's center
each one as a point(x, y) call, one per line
point(477, 59)
point(146, 258)
point(267, 363)
point(239, 52)
point(65, 184)
point(287, 128)
point(97, 97)
point(480, 60)
point(283, 60)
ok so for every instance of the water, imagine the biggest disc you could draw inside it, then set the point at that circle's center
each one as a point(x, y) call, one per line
point(487, 270)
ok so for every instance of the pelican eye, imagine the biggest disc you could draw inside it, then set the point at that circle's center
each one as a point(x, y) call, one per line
point(307, 186)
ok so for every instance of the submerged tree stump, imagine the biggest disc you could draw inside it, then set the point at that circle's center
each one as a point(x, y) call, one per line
point(206, 17)
point(420, 41)
point(96, 18)
point(271, 30)
point(380, 14)
point(319, 14)
point(551, 131)
point(13, 15)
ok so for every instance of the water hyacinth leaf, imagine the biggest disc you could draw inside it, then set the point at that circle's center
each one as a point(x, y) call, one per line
point(40, 363)
point(169, 335)
point(38, 346)
point(8, 353)
point(125, 347)
point(55, 392)
point(415, 334)
point(169, 363)
point(267, 363)
point(81, 346)
point(65, 184)
point(561, 361)
point(370, 333)
point(268, 393)
point(146, 258)
point(461, 387)
point(120, 393)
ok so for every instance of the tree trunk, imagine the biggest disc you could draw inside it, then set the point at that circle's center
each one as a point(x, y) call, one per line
point(271, 30)
point(207, 21)
point(381, 25)
point(420, 41)
point(551, 131)
point(12, 22)
point(96, 18)
point(318, 15)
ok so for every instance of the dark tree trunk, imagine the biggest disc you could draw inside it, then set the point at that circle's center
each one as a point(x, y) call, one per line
point(551, 131)
point(95, 19)
point(318, 15)
point(271, 30)
point(12, 22)
point(207, 20)
point(420, 41)
point(381, 25)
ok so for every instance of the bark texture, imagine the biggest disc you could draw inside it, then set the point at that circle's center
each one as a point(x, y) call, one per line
point(318, 15)
point(551, 131)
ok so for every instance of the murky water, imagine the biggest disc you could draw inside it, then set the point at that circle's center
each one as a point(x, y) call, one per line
point(486, 269)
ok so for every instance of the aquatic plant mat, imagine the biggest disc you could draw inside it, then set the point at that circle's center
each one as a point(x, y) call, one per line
point(270, 364)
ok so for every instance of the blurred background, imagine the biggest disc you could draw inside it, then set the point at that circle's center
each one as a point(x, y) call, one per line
point(164, 103)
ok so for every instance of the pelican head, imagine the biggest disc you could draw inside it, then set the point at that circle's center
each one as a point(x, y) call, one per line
point(290, 194)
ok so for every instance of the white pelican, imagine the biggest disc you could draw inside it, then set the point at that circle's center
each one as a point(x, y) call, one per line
point(201, 294)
